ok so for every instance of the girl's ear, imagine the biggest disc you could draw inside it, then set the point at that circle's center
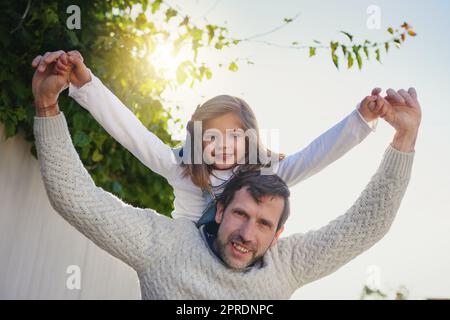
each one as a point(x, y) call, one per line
point(219, 212)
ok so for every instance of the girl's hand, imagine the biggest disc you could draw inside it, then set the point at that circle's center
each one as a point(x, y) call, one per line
point(73, 62)
point(373, 106)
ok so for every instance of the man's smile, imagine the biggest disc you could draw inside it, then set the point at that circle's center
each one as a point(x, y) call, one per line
point(239, 250)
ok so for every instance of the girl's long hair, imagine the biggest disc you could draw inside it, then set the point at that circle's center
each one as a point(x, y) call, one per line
point(217, 106)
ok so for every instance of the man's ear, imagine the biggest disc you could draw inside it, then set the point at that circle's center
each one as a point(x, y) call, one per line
point(277, 235)
point(219, 212)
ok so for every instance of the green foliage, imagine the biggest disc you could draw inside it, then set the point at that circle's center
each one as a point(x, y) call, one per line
point(115, 46)
point(368, 293)
point(352, 51)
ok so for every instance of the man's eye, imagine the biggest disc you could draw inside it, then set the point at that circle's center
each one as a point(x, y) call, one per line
point(265, 224)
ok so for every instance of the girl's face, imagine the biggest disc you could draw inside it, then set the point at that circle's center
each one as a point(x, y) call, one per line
point(224, 141)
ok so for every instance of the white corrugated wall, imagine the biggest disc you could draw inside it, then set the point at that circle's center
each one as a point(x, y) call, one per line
point(37, 245)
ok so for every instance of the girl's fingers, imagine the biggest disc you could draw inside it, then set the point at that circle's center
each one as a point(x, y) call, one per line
point(379, 105)
point(61, 69)
point(61, 65)
point(76, 60)
point(367, 101)
point(64, 59)
point(372, 105)
point(76, 54)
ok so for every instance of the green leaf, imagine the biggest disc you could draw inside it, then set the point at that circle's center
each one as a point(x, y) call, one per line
point(386, 46)
point(349, 60)
point(181, 75)
point(208, 73)
point(334, 57)
point(10, 129)
point(334, 45)
point(51, 17)
point(233, 67)
point(356, 50)
point(21, 114)
point(358, 58)
point(211, 31)
point(335, 60)
point(73, 37)
point(97, 156)
point(170, 13)
point(117, 187)
point(377, 55)
point(366, 51)
point(312, 51)
point(185, 22)
point(156, 5)
point(348, 35)
point(81, 139)
point(390, 30)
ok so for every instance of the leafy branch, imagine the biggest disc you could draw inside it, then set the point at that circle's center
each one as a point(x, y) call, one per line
point(351, 51)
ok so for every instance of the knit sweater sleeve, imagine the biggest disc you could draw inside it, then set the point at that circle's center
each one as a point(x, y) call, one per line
point(318, 253)
point(120, 229)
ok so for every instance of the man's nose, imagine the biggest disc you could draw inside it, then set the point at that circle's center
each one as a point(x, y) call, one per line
point(247, 232)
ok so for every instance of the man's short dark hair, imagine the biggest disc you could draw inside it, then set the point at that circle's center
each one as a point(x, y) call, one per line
point(258, 186)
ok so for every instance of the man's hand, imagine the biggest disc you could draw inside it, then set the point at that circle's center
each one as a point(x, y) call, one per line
point(73, 62)
point(47, 83)
point(404, 114)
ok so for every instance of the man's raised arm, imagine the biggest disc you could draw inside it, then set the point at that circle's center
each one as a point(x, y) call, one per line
point(318, 253)
point(122, 230)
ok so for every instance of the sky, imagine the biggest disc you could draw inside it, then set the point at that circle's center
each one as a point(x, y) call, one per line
point(303, 97)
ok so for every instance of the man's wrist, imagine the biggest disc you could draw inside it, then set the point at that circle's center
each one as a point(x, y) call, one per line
point(405, 141)
point(46, 110)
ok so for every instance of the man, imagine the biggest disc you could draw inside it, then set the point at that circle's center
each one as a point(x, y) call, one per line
point(241, 256)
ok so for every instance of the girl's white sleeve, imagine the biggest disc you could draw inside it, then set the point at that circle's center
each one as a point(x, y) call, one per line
point(325, 149)
point(124, 126)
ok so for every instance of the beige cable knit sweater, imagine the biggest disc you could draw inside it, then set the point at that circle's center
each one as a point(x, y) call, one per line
point(171, 257)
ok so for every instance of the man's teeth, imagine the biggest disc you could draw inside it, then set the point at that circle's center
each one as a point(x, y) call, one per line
point(239, 248)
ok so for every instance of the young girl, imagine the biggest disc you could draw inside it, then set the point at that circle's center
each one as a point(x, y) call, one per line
point(196, 184)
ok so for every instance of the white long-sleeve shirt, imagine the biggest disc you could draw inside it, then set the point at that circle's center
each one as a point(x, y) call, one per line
point(190, 200)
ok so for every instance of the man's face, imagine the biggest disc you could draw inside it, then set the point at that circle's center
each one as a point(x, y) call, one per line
point(247, 228)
